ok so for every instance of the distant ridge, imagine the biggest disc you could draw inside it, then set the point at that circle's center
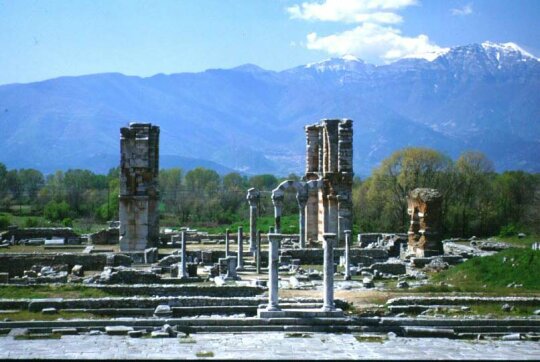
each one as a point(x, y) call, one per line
point(483, 97)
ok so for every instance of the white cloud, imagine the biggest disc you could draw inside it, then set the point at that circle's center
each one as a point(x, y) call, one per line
point(374, 42)
point(350, 11)
point(375, 37)
point(463, 11)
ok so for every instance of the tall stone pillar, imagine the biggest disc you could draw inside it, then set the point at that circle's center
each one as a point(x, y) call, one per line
point(328, 277)
point(425, 208)
point(302, 198)
point(227, 241)
point(182, 272)
point(347, 254)
point(277, 200)
point(253, 197)
point(312, 148)
point(139, 195)
point(240, 256)
point(273, 264)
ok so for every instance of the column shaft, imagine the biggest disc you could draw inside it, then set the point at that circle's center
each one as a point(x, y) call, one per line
point(183, 270)
point(328, 282)
point(240, 249)
point(273, 298)
point(347, 254)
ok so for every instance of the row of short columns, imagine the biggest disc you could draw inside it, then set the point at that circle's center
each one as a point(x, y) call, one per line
point(328, 269)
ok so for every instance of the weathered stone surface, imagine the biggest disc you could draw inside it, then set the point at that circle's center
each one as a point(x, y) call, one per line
point(135, 334)
point(389, 268)
point(105, 236)
point(139, 195)
point(163, 311)
point(39, 233)
point(77, 270)
point(118, 330)
point(16, 264)
point(424, 208)
point(329, 157)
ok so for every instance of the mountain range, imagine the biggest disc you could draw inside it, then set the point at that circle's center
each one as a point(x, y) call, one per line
point(483, 97)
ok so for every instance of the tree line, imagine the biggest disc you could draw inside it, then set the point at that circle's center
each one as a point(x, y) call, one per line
point(476, 199)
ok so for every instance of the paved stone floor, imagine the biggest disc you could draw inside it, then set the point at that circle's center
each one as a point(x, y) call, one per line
point(264, 346)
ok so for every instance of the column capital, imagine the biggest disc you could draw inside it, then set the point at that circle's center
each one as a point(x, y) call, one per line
point(274, 237)
point(347, 232)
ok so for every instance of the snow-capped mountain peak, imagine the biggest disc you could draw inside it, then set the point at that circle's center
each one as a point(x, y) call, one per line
point(507, 49)
point(347, 62)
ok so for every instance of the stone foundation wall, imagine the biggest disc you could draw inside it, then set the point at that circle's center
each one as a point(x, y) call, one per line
point(16, 264)
point(34, 233)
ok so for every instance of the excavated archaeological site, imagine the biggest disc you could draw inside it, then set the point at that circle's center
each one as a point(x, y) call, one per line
point(135, 280)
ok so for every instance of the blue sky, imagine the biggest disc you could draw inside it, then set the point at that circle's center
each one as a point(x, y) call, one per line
point(45, 39)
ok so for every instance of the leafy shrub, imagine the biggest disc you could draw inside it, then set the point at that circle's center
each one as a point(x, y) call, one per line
point(56, 211)
point(31, 222)
point(67, 222)
point(508, 230)
point(4, 222)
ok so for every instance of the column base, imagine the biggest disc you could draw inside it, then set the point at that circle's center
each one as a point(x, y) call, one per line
point(347, 277)
point(300, 313)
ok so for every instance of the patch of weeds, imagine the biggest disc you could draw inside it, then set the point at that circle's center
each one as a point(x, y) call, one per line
point(297, 335)
point(38, 336)
point(186, 340)
point(370, 338)
point(50, 291)
point(204, 354)
point(25, 315)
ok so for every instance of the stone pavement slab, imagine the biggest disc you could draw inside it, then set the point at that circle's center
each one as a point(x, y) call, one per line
point(274, 345)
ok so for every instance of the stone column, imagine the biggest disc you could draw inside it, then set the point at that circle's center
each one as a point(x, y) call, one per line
point(332, 215)
point(139, 192)
point(273, 264)
point(302, 197)
point(253, 197)
point(312, 148)
point(182, 272)
point(277, 200)
point(344, 207)
point(240, 255)
point(227, 253)
point(258, 253)
point(328, 279)
point(347, 254)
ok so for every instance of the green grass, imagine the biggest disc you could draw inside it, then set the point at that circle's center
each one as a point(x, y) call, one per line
point(490, 273)
point(50, 291)
point(38, 336)
point(289, 225)
point(25, 315)
point(204, 354)
point(527, 241)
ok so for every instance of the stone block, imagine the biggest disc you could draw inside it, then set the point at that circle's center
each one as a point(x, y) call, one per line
point(118, 330)
point(77, 270)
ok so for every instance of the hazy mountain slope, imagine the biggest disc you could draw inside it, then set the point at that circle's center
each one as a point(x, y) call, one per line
point(481, 96)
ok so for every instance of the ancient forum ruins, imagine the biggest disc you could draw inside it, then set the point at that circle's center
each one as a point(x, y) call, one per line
point(139, 196)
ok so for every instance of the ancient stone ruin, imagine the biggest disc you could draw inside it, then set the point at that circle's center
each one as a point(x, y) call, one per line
point(329, 156)
point(424, 208)
point(139, 168)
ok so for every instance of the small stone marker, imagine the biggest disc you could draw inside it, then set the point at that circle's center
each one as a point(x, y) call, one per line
point(135, 334)
point(163, 310)
point(118, 330)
